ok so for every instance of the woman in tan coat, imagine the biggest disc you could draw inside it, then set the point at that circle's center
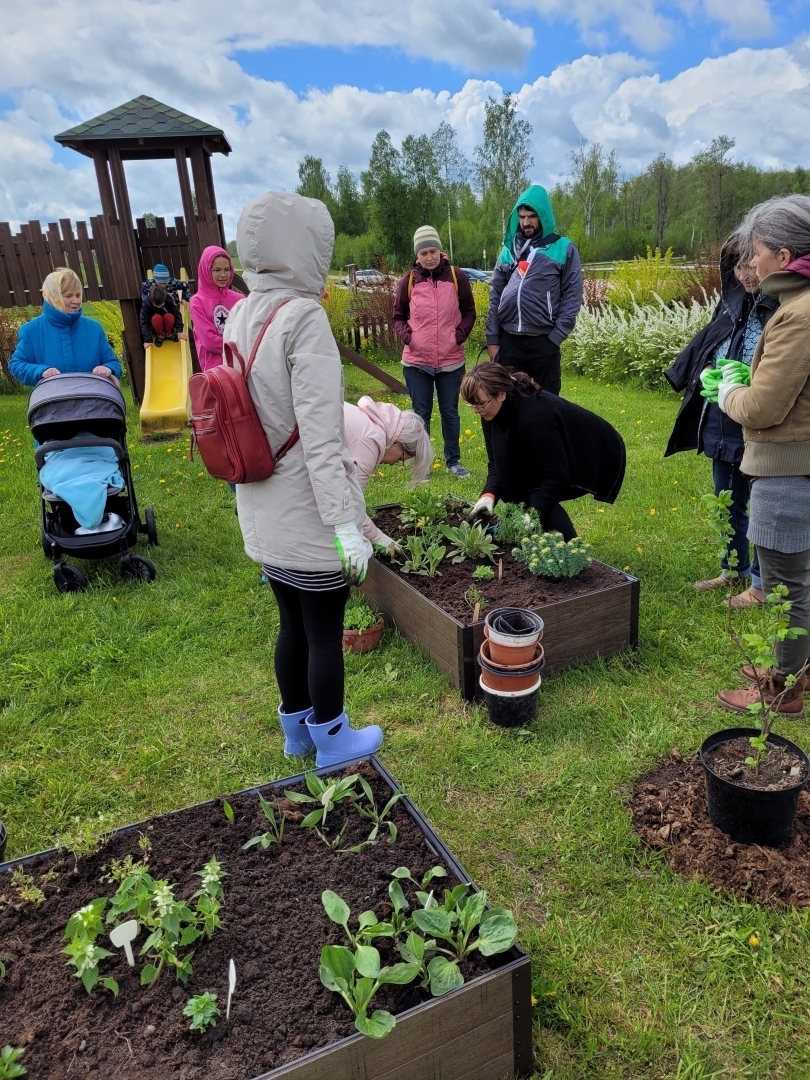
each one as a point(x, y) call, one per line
point(774, 411)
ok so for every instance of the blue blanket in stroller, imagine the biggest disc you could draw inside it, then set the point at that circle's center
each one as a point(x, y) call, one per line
point(81, 476)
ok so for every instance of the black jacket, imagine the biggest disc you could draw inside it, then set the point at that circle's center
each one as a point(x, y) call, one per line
point(148, 310)
point(728, 320)
point(542, 450)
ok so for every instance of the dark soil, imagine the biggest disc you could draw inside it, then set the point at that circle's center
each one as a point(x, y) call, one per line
point(781, 768)
point(669, 812)
point(519, 587)
point(274, 927)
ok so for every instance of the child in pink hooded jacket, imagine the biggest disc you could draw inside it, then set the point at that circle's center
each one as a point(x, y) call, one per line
point(378, 433)
point(211, 304)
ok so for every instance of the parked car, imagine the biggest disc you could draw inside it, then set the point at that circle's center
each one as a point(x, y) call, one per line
point(366, 277)
point(477, 275)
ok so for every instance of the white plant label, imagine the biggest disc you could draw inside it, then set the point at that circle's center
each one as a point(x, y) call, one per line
point(231, 987)
point(123, 936)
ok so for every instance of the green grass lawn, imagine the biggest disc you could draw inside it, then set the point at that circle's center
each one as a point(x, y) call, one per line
point(130, 699)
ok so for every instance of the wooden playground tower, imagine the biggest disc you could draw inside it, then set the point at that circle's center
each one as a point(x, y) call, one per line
point(146, 130)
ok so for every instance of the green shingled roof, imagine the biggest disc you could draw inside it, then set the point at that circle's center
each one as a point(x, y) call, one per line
point(141, 118)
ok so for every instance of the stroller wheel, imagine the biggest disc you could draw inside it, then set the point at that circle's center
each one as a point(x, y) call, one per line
point(137, 568)
point(151, 526)
point(68, 578)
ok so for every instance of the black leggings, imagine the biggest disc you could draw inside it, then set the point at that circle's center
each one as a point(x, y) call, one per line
point(309, 650)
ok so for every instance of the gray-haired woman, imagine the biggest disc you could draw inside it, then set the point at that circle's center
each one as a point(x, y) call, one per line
point(775, 413)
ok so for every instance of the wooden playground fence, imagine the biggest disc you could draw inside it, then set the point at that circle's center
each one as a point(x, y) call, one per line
point(27, 257)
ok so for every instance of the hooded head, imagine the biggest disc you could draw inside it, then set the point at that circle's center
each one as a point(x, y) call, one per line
point(205, 278)
point(161, 274)
point(285, 242)
point(536, 198)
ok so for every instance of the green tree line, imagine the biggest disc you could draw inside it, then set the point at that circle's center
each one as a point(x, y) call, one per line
point(429, 180)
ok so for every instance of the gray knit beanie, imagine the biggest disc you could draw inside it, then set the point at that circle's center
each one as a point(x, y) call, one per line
point(426, 237)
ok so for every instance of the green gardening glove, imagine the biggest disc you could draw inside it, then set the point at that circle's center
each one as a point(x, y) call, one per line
point(710, 378)
point(736, 370)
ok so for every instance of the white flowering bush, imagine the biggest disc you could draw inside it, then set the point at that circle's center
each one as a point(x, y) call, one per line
point(548, 554)
point(611, 344)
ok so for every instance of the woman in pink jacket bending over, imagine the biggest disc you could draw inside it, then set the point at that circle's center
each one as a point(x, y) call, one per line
point(211, 305)
point(378, 433)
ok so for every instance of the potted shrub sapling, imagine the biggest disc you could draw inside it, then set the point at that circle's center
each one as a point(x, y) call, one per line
point(362, 626)
point(753, 776)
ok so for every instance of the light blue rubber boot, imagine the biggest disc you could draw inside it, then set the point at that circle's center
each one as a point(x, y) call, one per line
point(298, 741)
point(336, 741)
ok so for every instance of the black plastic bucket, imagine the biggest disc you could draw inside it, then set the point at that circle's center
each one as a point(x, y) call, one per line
point(746, 815)
point(3, 841)
point(512, 708)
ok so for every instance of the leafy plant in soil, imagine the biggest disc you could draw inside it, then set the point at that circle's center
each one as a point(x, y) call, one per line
point(327, 793)
point(550, 556)
point(515, 521)
point(423, 558)
point(275, 833)
point(421, 508)
point(758, 646)
point(10, 1062)
point(203, 1010)
point(82, 930)
point(358, 615)
point(475, 598)
point(357, 976)
point(171, 923)
point(373, 813)
point(483, 573)
point(368, 925)
point(26, 888)
point(468, 542)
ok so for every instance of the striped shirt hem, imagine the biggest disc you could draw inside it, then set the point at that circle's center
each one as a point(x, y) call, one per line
point(307, 580)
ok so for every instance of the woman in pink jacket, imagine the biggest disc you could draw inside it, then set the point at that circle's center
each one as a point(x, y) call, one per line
point(434, 312)
point(378, 433)
point(211, 305)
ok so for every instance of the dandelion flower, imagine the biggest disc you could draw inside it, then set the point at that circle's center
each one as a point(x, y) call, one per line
point(600, 510)
point(640, 550)
point(753, 940)
point(467, 431)
point(626, 567)
point(652, 512)
point(534, 1000)
point(161, 481)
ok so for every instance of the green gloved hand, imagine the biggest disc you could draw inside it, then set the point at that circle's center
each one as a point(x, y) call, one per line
point(736, 369)
point(711, 379)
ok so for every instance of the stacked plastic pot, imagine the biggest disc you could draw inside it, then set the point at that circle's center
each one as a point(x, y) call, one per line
point(512, 660)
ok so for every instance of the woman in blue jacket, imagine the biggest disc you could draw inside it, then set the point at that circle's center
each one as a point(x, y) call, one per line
point(61, 339)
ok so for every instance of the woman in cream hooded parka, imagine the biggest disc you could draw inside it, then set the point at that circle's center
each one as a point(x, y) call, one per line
point(303, 523)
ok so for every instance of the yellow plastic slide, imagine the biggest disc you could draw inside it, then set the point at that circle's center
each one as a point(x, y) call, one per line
point(166, 408)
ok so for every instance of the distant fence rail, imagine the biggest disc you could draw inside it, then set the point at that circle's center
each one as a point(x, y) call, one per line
point(27, 257)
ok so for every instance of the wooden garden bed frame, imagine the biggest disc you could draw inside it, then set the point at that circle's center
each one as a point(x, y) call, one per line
point(598, 624)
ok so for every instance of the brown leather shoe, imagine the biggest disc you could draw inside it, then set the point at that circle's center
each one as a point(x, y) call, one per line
point(712, 583)
point(792, 704)
point(748, 673)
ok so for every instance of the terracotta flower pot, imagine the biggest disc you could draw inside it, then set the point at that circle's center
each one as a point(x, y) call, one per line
point(360, 641)
point(510, 677)
point(513, 652)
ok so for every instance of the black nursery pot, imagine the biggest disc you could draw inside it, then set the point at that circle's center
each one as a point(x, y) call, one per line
point(746, 815)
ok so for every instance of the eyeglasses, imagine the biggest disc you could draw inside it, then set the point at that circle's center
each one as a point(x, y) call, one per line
point(478, 406)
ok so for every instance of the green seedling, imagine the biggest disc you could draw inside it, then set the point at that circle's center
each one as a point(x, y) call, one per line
point(458, 920)
point(82, 930)
point(26, 888)
point(437, 973)
point(9, 1062)
point(379, 817)
point(421, 558)
point(475, 599)
point(227, 810)
point(483, 573)
point(368, 926)
point(203, 1010)
point(275, 833)
point(6, 960)
point(326, 792)
point(468, 542)
point(516, 522)
point(548, 554)
point(358, 615)
point(420, 508)
point(357, 977)
point(121, 869)
point(402, 873)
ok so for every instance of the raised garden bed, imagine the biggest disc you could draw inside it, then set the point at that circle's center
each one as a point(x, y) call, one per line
point(284, 1022)
point(594, 614)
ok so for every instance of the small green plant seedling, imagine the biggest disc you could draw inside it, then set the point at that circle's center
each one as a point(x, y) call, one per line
point(483, 573)
point(358, 615)
point(422, 558)
point(326, 792)
point(82, 930)
point(468, 542)
point(203, 1010)
point(373, 813)
point(516, 522)
point(475, 599)
point(357, 977)
point(548, 554)
point(26, 888)
point(368, 925)
point(10, 1062)
point(275, 833)
point(6, 960)
point(227, 810)
point(421, 508)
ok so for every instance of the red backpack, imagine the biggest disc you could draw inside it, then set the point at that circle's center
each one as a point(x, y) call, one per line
point(225, 426)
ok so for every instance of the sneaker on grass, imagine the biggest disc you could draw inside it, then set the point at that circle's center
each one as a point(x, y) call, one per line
point(459, 471)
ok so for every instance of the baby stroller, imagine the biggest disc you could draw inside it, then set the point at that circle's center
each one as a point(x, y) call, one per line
point(75, 411)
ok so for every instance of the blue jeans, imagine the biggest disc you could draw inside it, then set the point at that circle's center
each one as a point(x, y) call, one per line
point(727, 477)
point(420, 386)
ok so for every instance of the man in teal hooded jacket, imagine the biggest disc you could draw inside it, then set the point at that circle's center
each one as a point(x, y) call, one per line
point(536, 292)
